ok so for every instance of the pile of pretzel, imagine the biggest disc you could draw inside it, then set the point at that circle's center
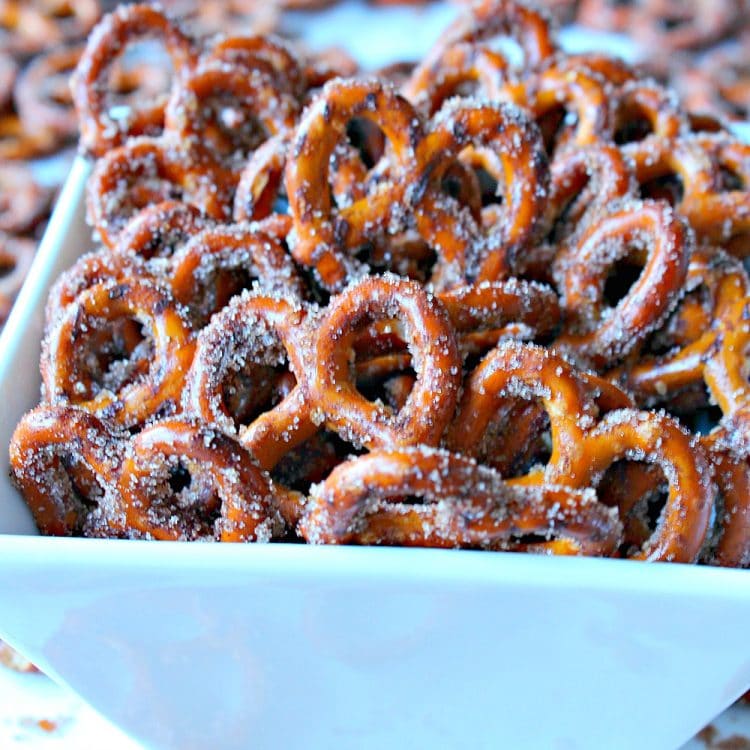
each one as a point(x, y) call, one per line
point(698, 46)
point(470, 304)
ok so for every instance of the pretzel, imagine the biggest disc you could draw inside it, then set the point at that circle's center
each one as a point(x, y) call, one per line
point(260, 180)
point(463, 505)
point(228, 110)
point(266, 53)
point(722, 215)
point(562, 85)
point(42, 97)
point(16, 255)
point(506, 133)
point(583, 182)
point(436, 361)
point(487, 19)
point(731, 547)
point(89, 270)
point(219, 262)
point(23, 201)
point(606, 335)
point(100, 131)
point(266, 333)
point(705, 339)
point(323, 234)
point(30, 26)
point(573, 401)
point(658, 439)
point(18, 142)
point(144, 172)
point(462, 63)
point(70, 376)
point(64, 459)
point(227, 498)
point(639, 101)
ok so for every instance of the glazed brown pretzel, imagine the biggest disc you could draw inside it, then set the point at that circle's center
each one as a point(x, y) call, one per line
point(424, 326)
point(707, 344)
point(239, 358)
point(655, 438)
point(229, 109)
point(64, 459)
point(99, 131)
point(572, 399)
point(583, 183)
point(224, 483)
point(325, 235)
point(68, 376)
point(219, 262)
point(148, 171)
point(464, 505)
point(581, 268)
point(160, 229)
point(518, 149)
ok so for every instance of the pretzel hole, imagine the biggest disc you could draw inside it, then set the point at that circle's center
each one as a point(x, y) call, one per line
point(668, 188)
point(517, 439)
point(255, 389)
point(131, 82)
point(110, 355)
point(640, 491)
point(216, 287)
point(730, 179)
point(368, 139)
point(633, 125)
point(181, 495)
point(312, 461)
point(620, 279)
point(555, 124)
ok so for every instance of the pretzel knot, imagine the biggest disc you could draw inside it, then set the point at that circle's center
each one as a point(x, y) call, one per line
point(180, 480)
point(518, 160)
point(325, 235)
point(129, 23)
point(462, 505)
point(421, 323)
point(129, 379)
point(63, 459)
point(663, 245)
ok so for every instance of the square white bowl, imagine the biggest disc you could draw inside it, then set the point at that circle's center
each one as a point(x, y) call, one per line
point(268, 646)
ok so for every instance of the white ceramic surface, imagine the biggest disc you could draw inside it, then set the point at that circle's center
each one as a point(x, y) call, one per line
point(197, 646)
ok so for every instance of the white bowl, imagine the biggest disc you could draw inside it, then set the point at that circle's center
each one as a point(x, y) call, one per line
point(197, 646)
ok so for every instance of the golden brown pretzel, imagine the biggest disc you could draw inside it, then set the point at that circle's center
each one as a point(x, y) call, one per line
point(424, 325)
point(63, 460)
point(148, 171)
point(160, 229)
point(324, 235)
point(221, 261)
point(521, 164)
point(464, 505)
point(230, 111)
point(16, 255)
point(664, 243)
point(104, 387)
point(572, 399)
point(227, 497)
point(232, 382)
point(654, 438)
point(99, 131)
